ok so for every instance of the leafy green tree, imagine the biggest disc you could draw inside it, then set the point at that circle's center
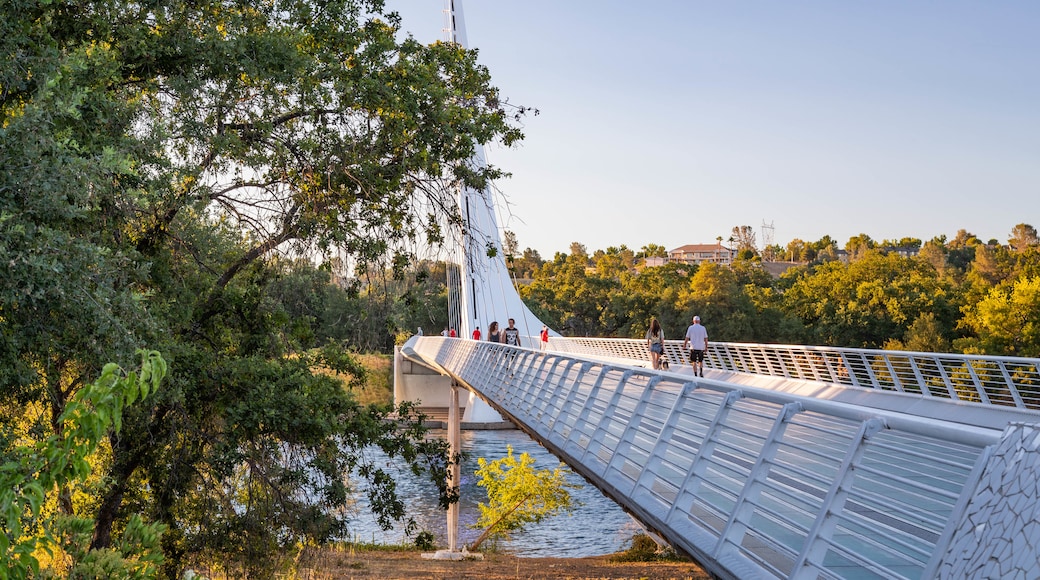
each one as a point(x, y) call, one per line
point(1006, 321)
point(153, 158)
point(654, 293)
point(773, 253)
point(522, 265)
point(857, 246)
point(519, 495)
point(532, 260)
point(991, 266)
point(934, 252)
point(828, 254)
point(302, 292)
point(30, 472)
point(770, 322)
point(797, 251)
point(614, 262)
point(571, 298)
point(510, 247)
point(69, 295)
point(961, 250)
point(926, 334)
point(716, 294)
point(1022, 237)
point(905, 242)
point(423, 301)
point(822, 250)
point(579, 250)
point(869, 301)
point(652, 251)
point(743, 239)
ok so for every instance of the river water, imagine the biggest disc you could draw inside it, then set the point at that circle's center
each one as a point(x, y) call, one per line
point(596, 526)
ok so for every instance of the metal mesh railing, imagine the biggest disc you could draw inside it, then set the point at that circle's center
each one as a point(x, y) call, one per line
point(753, 484)
point(991, 380)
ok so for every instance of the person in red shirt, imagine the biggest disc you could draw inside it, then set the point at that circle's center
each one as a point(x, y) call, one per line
point(476, 334)
point(545, 337)
point(451, 333)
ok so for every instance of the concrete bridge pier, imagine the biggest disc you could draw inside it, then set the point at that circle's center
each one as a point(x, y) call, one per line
point(414, 381)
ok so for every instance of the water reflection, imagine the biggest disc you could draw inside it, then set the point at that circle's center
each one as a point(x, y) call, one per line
point(597, 526)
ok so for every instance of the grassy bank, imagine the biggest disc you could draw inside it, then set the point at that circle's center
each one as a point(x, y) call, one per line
point(378, 387)
point(379, 380)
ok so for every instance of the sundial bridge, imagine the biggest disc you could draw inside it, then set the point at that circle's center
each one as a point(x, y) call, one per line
point(783, 461)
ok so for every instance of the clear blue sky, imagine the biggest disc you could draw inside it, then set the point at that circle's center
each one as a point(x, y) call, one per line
point(671, 121)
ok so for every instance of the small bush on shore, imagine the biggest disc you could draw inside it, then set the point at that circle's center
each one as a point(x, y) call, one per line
point(645, 549)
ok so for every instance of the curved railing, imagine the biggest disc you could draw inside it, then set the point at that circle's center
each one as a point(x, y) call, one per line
point(751, 482)
point(991, 380)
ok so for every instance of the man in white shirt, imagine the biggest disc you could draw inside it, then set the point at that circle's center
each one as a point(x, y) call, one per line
point(697, 341)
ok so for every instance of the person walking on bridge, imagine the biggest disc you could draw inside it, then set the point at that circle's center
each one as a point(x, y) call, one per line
point(655, 342)
point(512, 334)
point(493, 334)
point(697, 341)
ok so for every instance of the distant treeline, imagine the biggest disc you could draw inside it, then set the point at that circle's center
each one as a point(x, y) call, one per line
point(957, 295)
point(944, 295)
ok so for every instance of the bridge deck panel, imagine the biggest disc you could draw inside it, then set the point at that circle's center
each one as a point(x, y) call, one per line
point(772, 544)
point(872, 549)
point(792, 509)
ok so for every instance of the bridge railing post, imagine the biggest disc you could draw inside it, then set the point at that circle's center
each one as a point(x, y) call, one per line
point(604, 417)
point(559, 422)
point(690, 482)
point(624, 451)
point(811, 558)
point(661, 445)
point(1015, 395)
point(577, 440)
point(737, 525)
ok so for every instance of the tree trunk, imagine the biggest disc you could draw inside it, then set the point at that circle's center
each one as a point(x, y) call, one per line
point(58, 401)
point(487, 532)
point(113, 498)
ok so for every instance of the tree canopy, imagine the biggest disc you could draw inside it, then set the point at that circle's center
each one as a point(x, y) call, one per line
point(155, 160)
point(954, 295)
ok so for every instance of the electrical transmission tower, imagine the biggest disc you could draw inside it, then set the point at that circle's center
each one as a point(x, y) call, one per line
point(767, 239)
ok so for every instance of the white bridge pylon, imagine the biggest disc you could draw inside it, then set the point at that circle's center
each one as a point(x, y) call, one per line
point(483, 291)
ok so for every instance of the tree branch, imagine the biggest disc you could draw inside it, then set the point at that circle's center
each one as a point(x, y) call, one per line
point(483, 536)
point(255, 252)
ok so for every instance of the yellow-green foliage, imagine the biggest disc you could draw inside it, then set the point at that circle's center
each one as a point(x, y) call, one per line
point(34, 471)
point(519, 494)
point(1006, 320)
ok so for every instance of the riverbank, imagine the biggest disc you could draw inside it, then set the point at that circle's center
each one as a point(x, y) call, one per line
point(346, 564)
